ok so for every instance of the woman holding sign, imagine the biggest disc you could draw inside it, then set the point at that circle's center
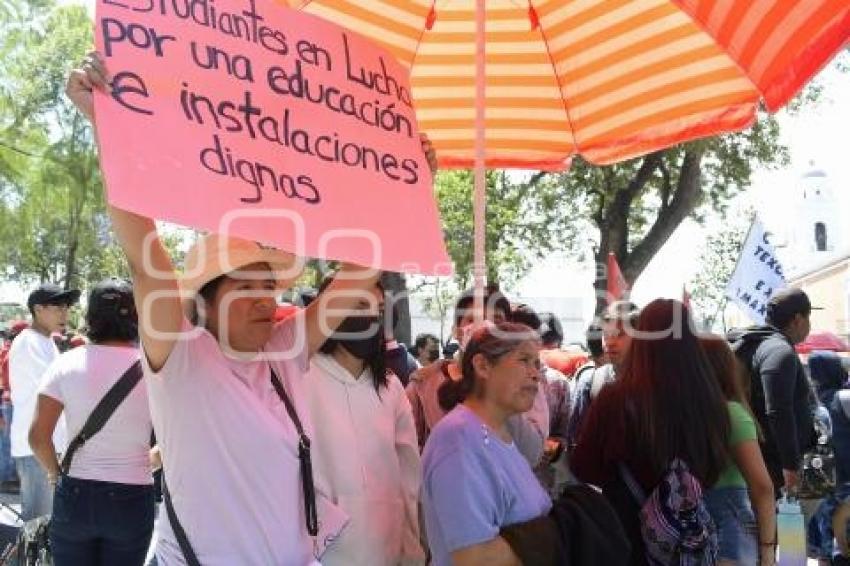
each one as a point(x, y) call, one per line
point(225, 386)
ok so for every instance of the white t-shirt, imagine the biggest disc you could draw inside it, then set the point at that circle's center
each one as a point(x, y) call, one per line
point(29, 357)
point(79, 379)
point(366, 452)
point(229, 452)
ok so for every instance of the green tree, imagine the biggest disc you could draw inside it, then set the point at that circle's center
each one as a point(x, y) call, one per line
point(630, 208)
point(437, 295)
point(525, 220)
point(52, 198)
point(635, 206)
point(718, 257)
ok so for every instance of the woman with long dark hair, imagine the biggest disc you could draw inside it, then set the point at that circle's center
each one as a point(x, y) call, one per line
point(741, 502)
point(665, 405)
point(475, 481)
point(365, 447)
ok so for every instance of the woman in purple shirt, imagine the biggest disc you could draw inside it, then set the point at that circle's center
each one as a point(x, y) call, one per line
point(475, 481)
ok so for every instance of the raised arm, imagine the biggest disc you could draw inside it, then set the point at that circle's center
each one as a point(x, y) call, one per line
point(154, 282)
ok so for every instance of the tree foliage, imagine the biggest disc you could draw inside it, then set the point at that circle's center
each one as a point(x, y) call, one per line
point(630, 208)
point(437, 296)
point(718, 257)
point(524, 222)
point(636, 205)
point(52, 209)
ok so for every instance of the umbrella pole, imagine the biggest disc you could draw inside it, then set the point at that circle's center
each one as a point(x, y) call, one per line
point(479, 270)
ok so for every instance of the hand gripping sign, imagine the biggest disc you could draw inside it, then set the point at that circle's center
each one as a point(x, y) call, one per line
point(223, 110)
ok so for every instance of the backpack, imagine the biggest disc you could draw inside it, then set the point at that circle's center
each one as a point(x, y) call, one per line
point(581, 396)
point(744, 345)
point(674, 522)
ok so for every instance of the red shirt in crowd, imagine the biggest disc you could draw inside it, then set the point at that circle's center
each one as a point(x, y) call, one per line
point(563, 361)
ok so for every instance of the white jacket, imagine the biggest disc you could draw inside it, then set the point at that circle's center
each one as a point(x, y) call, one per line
point(366, 457)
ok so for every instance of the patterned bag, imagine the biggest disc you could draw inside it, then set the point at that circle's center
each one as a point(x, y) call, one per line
point(675, 524)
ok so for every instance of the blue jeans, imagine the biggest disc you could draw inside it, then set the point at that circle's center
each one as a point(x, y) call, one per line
point(101, 523)
point(732, 513)
point(820, 538)
point(7, 464)
point(36, 495)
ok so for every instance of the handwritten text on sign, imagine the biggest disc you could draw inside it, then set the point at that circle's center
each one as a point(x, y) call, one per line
point(221, 112)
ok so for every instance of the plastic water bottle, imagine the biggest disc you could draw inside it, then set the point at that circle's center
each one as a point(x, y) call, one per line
point(791, 533)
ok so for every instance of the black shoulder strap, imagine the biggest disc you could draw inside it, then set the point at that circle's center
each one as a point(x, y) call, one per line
point(306, 481)
point(182, 540)
point(287, 402)
point(104, 409)
point(303, 457)
point(843, 397)
point(631, 482)
point(581, 371)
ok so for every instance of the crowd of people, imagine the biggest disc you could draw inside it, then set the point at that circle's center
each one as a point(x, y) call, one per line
point(485, 440)
point(317, 438)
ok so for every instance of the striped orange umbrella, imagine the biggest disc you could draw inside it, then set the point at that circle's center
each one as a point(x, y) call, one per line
point(537, 81)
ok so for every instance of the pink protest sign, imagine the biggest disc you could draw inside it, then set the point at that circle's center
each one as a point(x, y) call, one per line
point(255, 120)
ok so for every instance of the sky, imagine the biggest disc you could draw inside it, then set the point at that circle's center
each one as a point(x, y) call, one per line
point(817, 134)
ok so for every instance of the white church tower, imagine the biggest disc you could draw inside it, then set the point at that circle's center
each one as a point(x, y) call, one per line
point(817, 233)
point(820, 246)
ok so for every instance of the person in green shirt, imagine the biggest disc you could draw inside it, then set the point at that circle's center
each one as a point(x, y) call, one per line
point(741, 502)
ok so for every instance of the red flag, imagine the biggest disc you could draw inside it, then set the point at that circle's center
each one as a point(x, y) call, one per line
point(686, 297)
point(617, 285)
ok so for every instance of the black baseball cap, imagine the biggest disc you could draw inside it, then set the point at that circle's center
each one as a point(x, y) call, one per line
point(786, 303)
point(111, 296)
point(52, 294)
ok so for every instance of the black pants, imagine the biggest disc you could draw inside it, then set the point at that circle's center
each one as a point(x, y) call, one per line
point(101, 523)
